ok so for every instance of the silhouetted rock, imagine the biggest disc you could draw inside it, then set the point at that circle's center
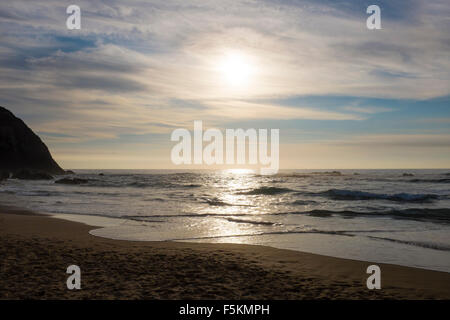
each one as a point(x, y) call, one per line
point(72, 181)
point(21, 148)
point(25, 174)
point(328, 173)
point(408, 175)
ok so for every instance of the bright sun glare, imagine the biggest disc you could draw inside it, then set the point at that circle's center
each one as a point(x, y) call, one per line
point(236, 69)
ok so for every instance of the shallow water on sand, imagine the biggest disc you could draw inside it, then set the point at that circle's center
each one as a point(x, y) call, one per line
point(374, 215)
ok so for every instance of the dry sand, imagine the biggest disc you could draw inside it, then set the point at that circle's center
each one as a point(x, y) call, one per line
point(36, 250)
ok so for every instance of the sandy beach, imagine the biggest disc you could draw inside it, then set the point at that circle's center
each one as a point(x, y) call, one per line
point(37, 249)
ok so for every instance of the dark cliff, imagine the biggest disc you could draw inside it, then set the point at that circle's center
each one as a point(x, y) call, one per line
point(21, 148)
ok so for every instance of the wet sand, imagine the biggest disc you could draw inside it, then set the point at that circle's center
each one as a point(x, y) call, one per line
point(36, 250)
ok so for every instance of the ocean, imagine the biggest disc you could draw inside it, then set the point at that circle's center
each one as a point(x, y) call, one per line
point(387, 216)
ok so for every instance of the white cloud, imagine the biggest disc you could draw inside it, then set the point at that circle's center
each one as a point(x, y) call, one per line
point(155, 62)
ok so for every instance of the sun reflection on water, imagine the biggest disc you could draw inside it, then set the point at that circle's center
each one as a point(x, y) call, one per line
point(230, 207)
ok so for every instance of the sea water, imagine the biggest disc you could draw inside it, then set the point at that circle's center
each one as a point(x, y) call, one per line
point(390, 216)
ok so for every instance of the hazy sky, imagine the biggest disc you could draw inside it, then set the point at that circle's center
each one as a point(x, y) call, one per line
point(343, 96)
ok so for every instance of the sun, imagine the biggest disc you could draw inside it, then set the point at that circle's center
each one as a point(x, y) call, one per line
point(236, 69)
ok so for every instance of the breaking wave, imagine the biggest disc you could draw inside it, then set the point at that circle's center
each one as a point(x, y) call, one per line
point(430, 180)
point(343, 194)
point(419, 214)
point(256, 222)
point(421, 244)
point(303, 202)
point(266, 191)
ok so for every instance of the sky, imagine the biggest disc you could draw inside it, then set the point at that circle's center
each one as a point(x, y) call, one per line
point(110, 94)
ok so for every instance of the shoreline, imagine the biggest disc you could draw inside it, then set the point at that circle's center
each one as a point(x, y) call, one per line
point(38, 248)
point(100, 222)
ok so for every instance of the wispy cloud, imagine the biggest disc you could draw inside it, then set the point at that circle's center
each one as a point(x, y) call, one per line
point(367, 109)
point(145, 67)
